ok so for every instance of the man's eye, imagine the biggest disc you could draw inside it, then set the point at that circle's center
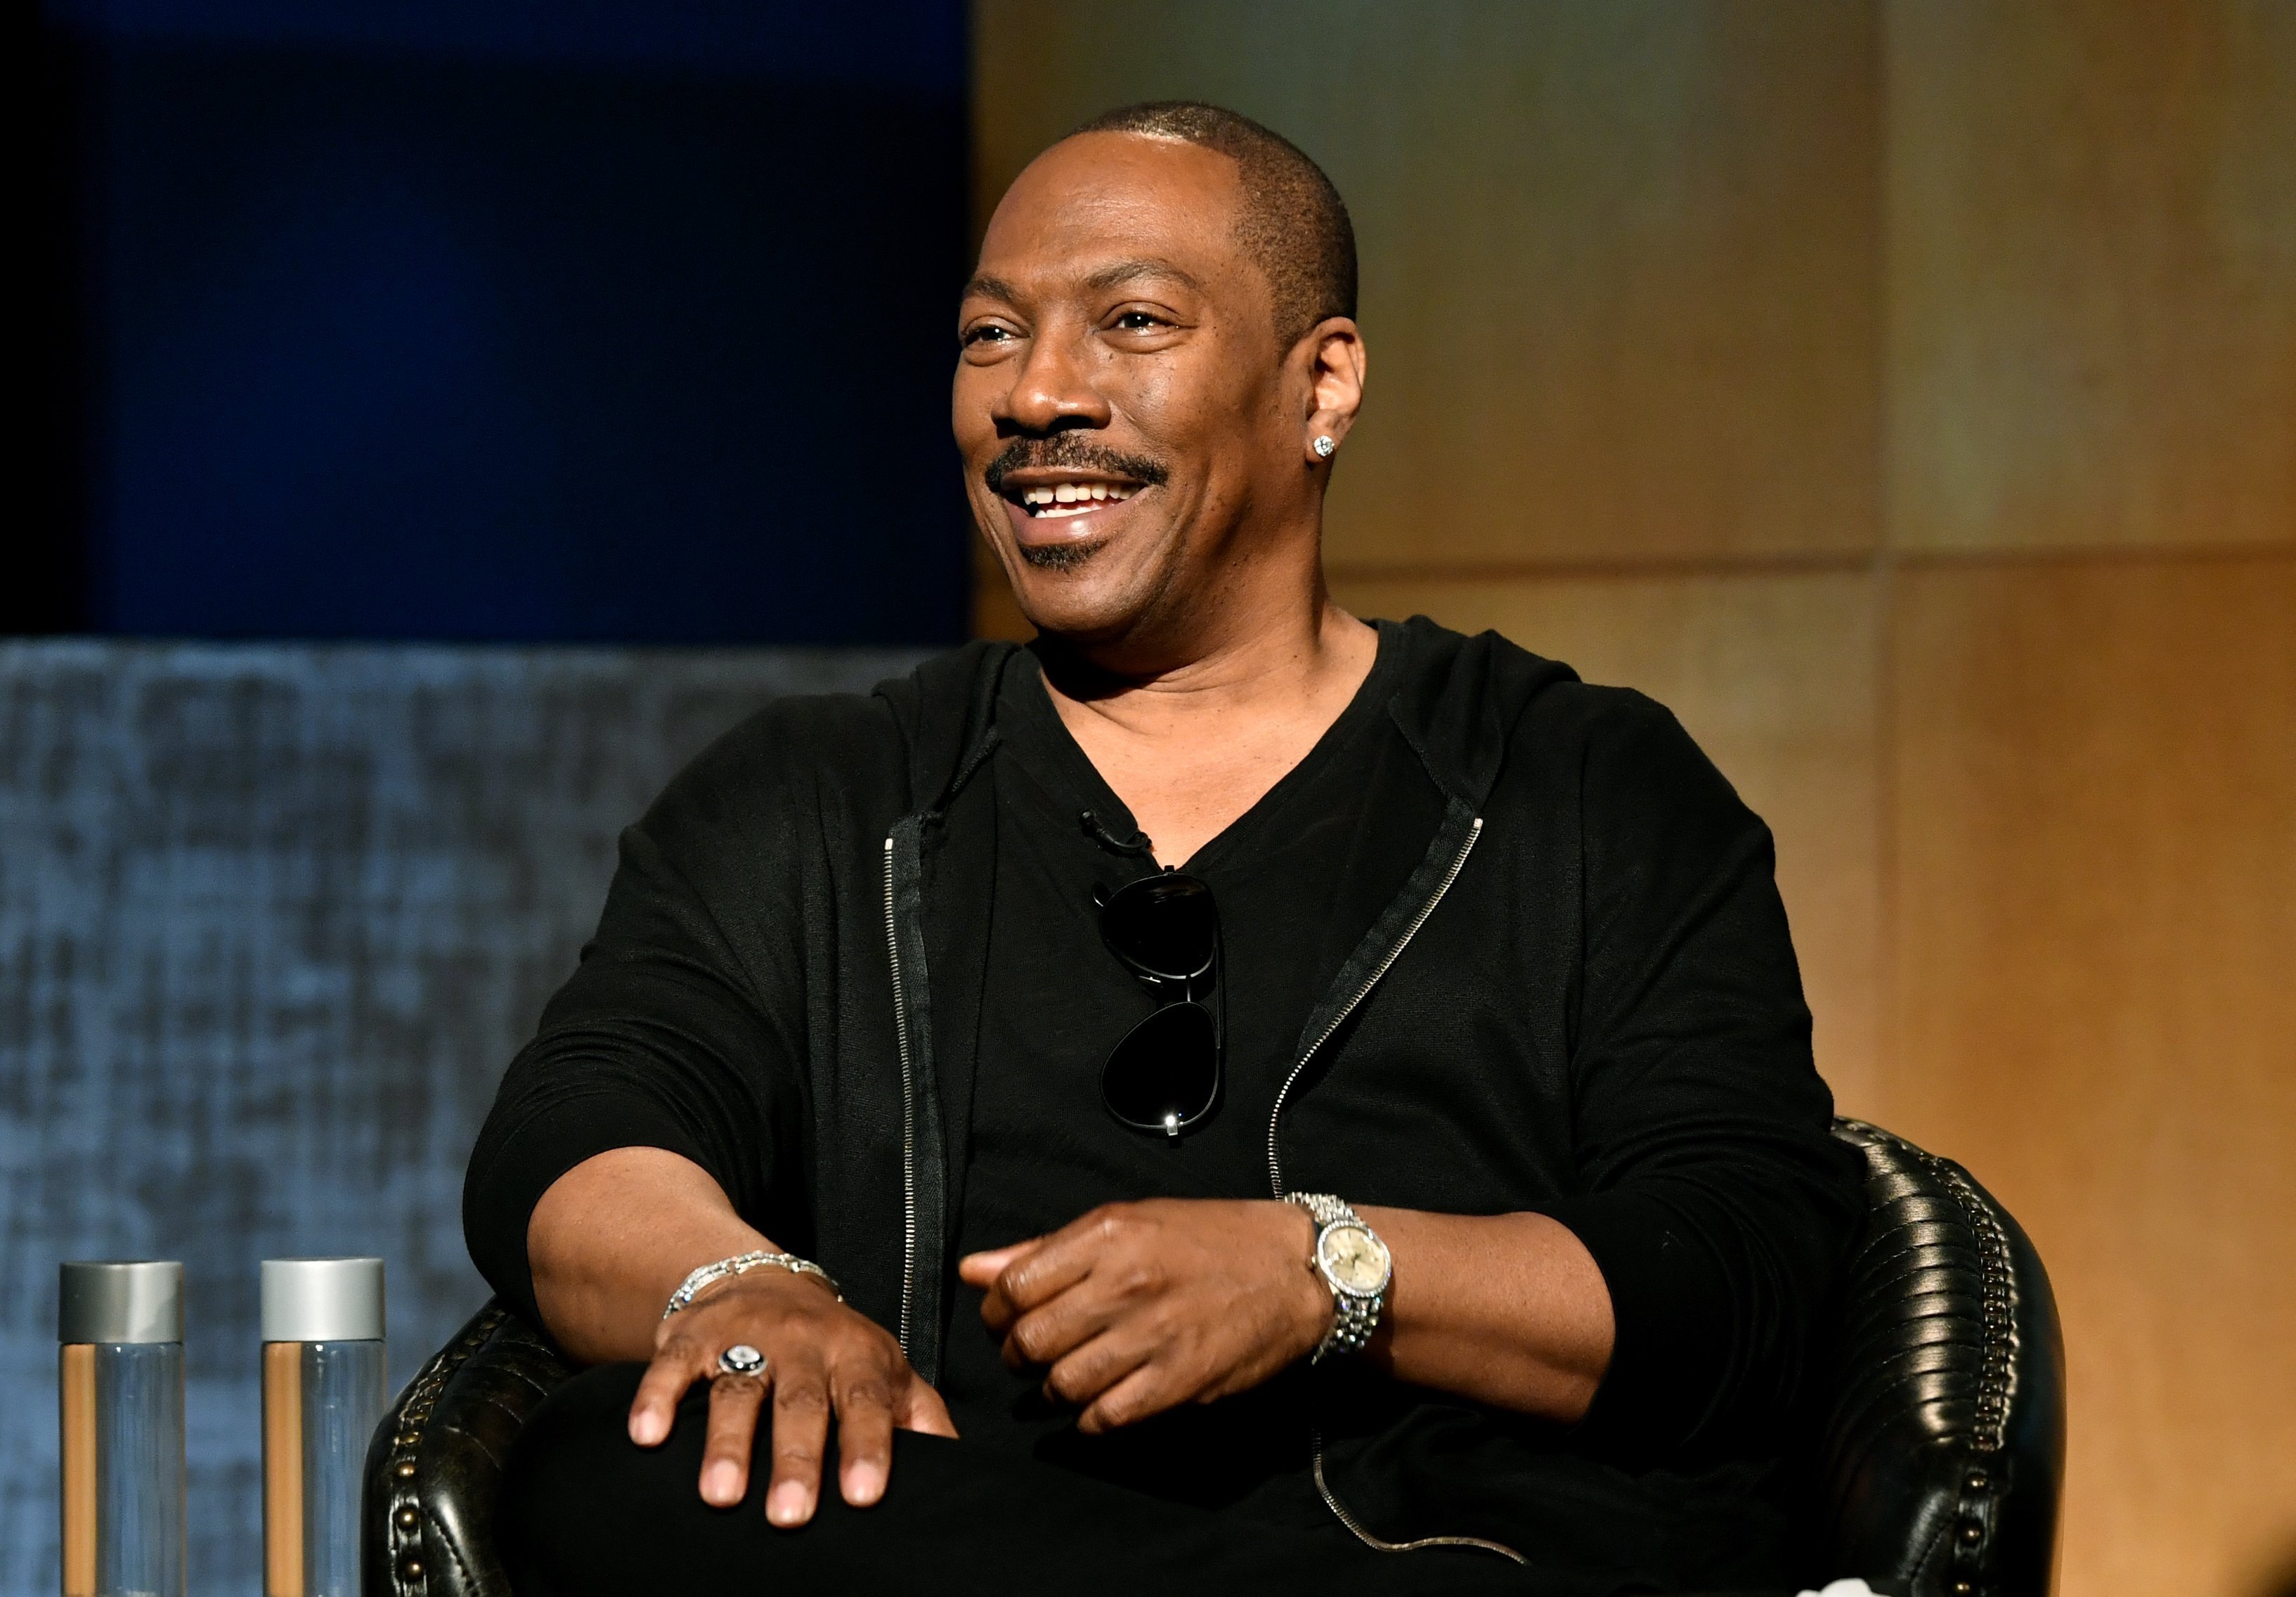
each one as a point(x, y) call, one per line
point(1139, 321)
point(990, 334)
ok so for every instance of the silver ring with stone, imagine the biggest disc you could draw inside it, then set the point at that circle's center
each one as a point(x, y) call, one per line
point(741, 1359)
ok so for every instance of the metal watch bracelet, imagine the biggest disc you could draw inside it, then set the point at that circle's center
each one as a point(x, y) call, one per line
point(1355, 1315)
point(741, 1263)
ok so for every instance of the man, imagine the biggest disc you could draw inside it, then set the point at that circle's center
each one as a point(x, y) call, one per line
point(1228, 1092)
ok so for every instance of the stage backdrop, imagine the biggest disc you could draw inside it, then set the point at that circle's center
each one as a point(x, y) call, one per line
point(624, 321)
point(1905, 391)
point(272, 921)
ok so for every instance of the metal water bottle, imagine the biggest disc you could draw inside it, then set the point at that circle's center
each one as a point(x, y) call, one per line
point(120, 1397)
point(322, 1395)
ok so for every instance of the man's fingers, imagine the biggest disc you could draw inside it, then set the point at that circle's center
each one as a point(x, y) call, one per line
point(982, 1269)
point(801, 1435)
point(733, 1403)
point(1053, 1264)
point(1087, 1375)
point(864, 1435)
point(1047, 1335)
point(1147, 1390)
point(673, 1369)
point(922, 1410)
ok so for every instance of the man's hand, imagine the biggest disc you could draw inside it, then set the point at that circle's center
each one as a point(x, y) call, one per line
point(821, 1357)
point(1139, 1307)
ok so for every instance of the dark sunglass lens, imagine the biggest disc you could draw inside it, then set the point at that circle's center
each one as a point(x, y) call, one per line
point(1164, 925)
point(1166, 1071)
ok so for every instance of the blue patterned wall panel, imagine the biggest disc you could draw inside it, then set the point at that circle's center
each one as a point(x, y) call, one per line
point(271, 920)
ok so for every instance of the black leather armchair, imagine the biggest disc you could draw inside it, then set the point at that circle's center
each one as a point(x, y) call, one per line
point(1936, 1471)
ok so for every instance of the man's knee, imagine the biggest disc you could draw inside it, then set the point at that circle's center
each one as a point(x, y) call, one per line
point(577, 1491)
point(579, 1438)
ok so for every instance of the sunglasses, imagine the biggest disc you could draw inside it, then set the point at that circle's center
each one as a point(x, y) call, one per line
point(1165, 1075)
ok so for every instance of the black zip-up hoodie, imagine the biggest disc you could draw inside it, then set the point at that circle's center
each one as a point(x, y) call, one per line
point(1584, 993)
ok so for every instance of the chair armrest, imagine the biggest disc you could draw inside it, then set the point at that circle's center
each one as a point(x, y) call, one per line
point(1943, 1449)
point(435, 1468)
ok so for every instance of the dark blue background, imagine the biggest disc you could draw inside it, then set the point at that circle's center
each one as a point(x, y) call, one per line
point(613, 321)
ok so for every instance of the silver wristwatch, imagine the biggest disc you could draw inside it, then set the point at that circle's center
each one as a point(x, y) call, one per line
point(1354, 1264)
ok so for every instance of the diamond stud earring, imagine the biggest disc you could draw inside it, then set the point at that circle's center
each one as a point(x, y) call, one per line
point(1324, 445)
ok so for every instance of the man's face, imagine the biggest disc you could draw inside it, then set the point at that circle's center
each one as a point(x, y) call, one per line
point(1121, 403)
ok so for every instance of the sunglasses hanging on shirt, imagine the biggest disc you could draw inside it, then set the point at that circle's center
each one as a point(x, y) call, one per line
point(1165, 1075)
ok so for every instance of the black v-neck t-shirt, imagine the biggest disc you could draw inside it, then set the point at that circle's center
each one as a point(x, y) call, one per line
point(1298, 879)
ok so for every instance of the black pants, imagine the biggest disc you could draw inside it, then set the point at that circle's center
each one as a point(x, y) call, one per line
point(587, 1512)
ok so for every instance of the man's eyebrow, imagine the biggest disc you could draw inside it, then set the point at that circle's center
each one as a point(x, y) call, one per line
point(1113, 275)
point(1128, 271)
point(994, 288)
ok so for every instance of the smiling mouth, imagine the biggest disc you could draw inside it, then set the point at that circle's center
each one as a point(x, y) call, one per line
point(1050, 501)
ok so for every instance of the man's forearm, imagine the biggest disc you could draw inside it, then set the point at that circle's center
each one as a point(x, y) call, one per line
point(1507, 1309)
point(612, 1239)
point(1136, 1307)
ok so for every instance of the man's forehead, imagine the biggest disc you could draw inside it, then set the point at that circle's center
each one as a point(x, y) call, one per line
point(1101, 208)
point(1091, 168)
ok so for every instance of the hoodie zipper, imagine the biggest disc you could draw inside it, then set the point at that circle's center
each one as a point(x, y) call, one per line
point(1340, 1511)
point(908, 1107)
point(1275, 1115)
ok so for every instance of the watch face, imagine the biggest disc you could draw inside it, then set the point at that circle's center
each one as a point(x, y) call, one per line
point(1355, 1259)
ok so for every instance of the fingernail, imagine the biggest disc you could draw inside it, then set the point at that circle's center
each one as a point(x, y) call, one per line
point(646, 1427)
point(721, 1484)
point(787, 1505)
point(863, 1485)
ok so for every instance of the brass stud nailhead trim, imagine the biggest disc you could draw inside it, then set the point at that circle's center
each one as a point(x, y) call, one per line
point(413, 1412)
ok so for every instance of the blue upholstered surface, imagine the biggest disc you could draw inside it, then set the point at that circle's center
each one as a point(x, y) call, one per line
point(271, 920)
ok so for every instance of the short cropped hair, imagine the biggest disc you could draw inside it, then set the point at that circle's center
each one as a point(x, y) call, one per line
point(1294, 225)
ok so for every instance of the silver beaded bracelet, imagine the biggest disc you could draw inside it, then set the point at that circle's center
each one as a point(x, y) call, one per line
point(741, 1263)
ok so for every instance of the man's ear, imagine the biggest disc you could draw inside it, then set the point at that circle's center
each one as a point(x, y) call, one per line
point(1334, 351)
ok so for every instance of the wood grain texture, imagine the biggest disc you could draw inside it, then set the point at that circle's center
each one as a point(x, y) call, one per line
point(76, 1405)
point(1620, 257)
point(2092, 272)
point(2096, 881)
point(283, 1559)
point(1775, 676)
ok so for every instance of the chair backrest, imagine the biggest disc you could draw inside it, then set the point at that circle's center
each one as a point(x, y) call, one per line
point(1942, 1454)
point(1939, 1462)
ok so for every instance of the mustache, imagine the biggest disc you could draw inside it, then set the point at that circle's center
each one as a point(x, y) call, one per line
point(1075, 452)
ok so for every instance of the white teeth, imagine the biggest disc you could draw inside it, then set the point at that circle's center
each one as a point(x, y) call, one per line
point(1083, 495)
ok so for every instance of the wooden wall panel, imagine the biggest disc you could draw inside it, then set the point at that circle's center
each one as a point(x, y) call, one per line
point(2092, 272)
point(1775, 678)
point(1619, 256)
point(2095, 875)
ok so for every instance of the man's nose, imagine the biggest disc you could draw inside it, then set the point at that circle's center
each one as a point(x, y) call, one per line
point(1052, 391)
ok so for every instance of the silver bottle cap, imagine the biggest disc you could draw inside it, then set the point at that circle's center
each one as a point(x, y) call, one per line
point(120, 1300)
point(323, 1300)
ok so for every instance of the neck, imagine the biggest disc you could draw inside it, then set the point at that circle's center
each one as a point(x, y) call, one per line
point(1237, 659)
